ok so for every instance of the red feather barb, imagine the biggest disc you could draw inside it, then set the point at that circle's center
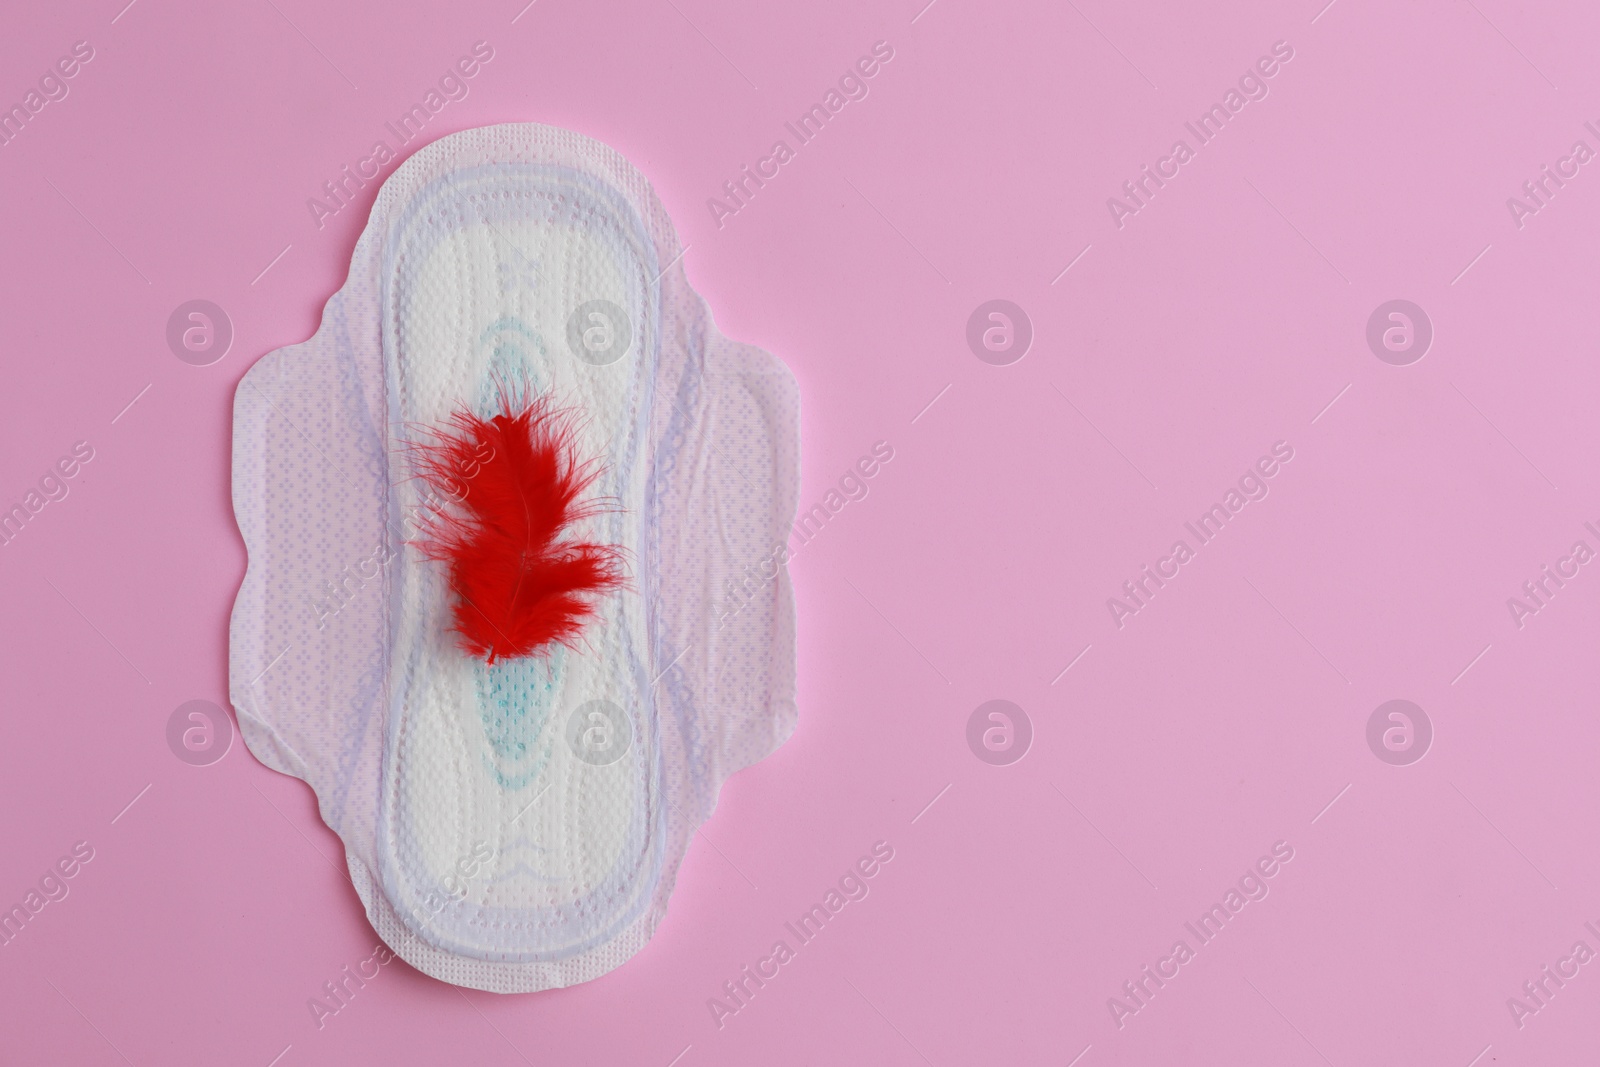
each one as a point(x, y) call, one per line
point(519, 585)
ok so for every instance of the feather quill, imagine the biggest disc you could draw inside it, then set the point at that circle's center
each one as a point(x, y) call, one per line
point(520, 582)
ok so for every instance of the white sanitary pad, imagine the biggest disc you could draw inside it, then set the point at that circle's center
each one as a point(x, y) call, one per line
point(518, 826)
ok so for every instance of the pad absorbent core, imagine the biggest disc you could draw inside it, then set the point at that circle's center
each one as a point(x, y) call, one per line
point(516, 825)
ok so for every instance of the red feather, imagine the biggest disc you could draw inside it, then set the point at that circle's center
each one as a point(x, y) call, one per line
point(519, 585)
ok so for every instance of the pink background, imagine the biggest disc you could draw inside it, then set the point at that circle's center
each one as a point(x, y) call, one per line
point(1224, 717)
